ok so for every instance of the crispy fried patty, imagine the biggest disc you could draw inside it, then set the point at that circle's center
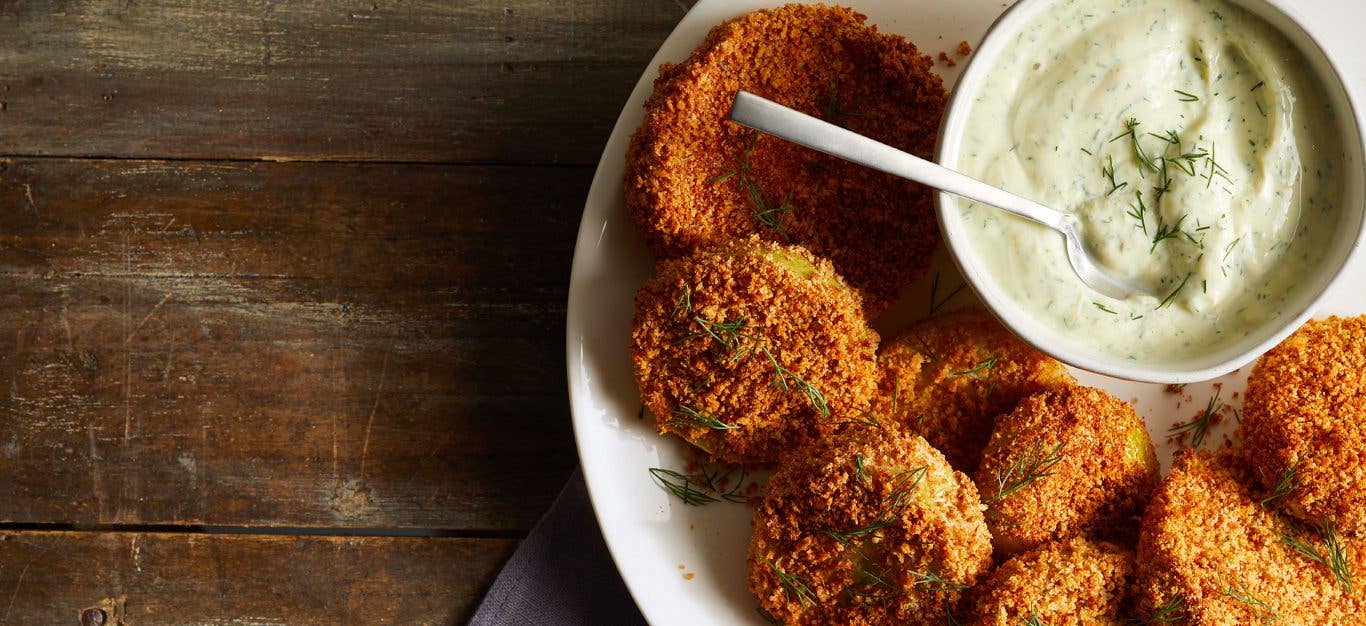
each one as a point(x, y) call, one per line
point(751, 348)
point(1211, 553)
point(948, 377)
point(694, 179)
point(870, 527)
point(1304, 422)
point(1064, 462)
point(1074, 581)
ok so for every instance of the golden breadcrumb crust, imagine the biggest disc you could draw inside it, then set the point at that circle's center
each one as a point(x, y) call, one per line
point(785, 309)
point(1105, 471)
point(1306, 408)
point(1210, 553)
point(877, 229)
point(1075, 581)
point(948, 377)
point(912, 529)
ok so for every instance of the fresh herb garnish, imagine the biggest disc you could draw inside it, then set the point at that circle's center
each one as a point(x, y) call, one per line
point(1169, 612)
point(1261, 609)
point(762, 208)
point(782, 376)
point(689, 416)
point(1166, 231)
point(1035, 465)
point(1139, 211)
point(1172, 296)
point(935, 302)
point(859, 472)
point(1288, 482)
point(1186, 96)
point(1199, 425)
point(1108, 171)
point(978, 369)
point(797, 587)
point(934, 582)
point(1102, 307)
point(1333, 555)
point(903, 485)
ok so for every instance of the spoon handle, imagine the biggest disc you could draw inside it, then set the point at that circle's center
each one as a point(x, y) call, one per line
point(777, 120)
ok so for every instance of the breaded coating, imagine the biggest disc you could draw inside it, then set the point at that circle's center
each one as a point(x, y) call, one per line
point(948, 377)
point(1075, 581)
point(869, 527)
point(695, 179)
point(1069, 461)
point(1304, 422)
point(1210, 553)
point(750, 349)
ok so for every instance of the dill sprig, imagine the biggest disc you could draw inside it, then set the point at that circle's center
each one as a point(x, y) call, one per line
point(683, 304)
point(903, 485)
point(704, 487)
point(689, 416)
point(761, 207)
point(1172, 296)
point(1169, 612)
point(1186, 96)
point(782, 376)
point(832, 110)
point(935, 583)
point(935, 302)
point(1213, 168)
point(795, 586)
point(1131, 131)
point(1260, 608)
point(859, 471)
point(1333, 554)
point(1199, 425)
point(731, 334)
point(1288, 482)
point(1101, 306)
point(1035, 465)
point(1139, 211)
point(1108, 171)
point(1166, 231)
point(1033, 618)
point(979, 369)
point(682, 487)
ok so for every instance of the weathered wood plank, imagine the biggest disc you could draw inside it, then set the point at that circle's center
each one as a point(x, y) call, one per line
point(433, 80)
point(150, 578)
point(283, 344)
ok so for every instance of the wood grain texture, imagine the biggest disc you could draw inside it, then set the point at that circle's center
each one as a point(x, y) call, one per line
point(432, 80)
point(283, 344)
point(150, 578)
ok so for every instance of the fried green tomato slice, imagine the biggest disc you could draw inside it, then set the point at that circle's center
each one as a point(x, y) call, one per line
point(1304, 422)
point(948, 377)
point(1065, 462)
point(1073, 581)
point(694, 179)
point(751, 348)
point(869, 527)
point(1211, 553)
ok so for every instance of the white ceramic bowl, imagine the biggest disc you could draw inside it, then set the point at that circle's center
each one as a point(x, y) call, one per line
point(1074, 350)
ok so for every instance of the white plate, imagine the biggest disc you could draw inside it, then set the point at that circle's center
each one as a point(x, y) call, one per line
point(686, 565)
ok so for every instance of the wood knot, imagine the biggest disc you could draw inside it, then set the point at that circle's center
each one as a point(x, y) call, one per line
point(92, 617)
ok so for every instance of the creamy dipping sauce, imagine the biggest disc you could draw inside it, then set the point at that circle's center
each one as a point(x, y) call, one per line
point(1193, 144)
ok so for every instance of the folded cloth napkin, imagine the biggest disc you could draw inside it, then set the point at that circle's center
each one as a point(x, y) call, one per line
point(561, 574)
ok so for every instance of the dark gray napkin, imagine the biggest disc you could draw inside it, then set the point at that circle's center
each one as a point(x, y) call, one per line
point(561, 574)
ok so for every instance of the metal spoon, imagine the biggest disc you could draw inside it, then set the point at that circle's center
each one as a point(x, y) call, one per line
point(777, 120)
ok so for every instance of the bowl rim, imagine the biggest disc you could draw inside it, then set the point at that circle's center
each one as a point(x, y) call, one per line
point(1012, 316)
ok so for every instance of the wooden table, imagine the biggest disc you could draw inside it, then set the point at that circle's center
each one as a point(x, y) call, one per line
point(282, 290)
